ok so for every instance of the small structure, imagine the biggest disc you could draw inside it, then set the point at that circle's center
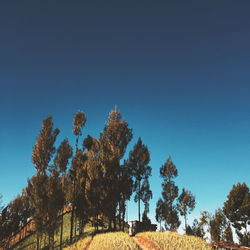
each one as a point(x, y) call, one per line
point(136, 226)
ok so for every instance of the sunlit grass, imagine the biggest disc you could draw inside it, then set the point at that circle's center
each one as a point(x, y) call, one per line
point(113, 241)
point(30, 242)
point(81, 244)
point(171, 241)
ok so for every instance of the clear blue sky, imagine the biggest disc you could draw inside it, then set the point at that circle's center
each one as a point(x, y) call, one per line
point(179, 72)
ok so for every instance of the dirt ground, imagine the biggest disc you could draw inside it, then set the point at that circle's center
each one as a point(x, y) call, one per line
point(144, 243)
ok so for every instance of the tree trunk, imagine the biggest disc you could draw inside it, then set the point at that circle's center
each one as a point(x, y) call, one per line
point(119, 216)
point(77, 139)
point(44, 241)
point(72, 222)
point(75, 224)
point(97, 222)
point(61, 232)
point(110, 221)
point(113, 215)
point(37, 241)
point(123, 222)
point(80, 227)
point(49, 241)
point(52, 240)
point(139, 198)
point(8, 244)
point(114, 221)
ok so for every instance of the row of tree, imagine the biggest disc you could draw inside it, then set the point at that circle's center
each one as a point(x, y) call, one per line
point(170, 205)
point(91, 179)
point(235, 212)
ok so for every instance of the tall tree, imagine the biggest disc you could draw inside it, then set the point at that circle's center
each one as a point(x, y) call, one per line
point(168, 172)
point(95, 186)
point(237, 210)
point(159, 212)
point(217, 225)
point(139, 159)
point(16, 214)
point(26, 209)
point(64, 153)
point(5, 227)
point(146, 222)
point(186, 204)
point(37, 193)
point(196, 229)
point(126, 188)
point(113, 142)
point(146, 194)
point(78, 123)
point(228, 234)
point(42, 154)
point(44, 148)
point(81, 204)
point(55, 200)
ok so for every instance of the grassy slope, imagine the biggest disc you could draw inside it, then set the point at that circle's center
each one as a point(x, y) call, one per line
point(168, 240)
point(30, 241)
point(107, 241)
point(80, 244)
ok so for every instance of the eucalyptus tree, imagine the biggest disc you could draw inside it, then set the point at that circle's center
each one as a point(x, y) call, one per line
point(139, 159)
point(126, 189)
point(55, 190)
point(196, 229)
point(146, 195)
point(81, 205)
point(26, 209)
point(44, 148)
point(5, 227)
point(16, 214)
point(228, 234)
point(159, 212)
point(216, 223)
point(37, 193)
point(237, 210)
point(95, 185)
point(113, 144)
point(168, 172)
point(42, 154)
point(55, 203)
point(186, 204)
point(64, 153)
point(78, 123)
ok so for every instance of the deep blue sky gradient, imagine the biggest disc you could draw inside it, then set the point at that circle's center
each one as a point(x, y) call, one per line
point(179, 72)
